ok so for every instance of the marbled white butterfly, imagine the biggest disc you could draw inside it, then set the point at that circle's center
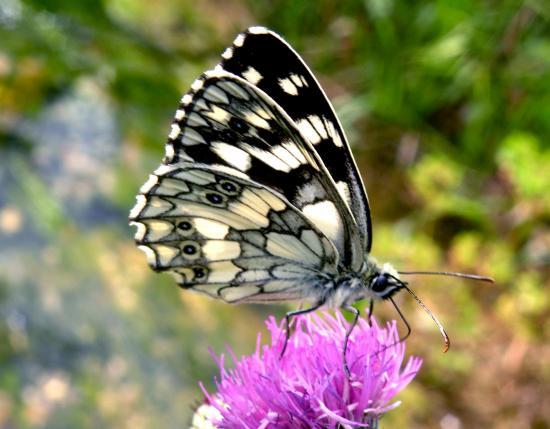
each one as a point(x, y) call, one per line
point(258, 198)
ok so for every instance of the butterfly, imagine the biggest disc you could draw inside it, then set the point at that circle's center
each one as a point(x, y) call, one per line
point(258, 198)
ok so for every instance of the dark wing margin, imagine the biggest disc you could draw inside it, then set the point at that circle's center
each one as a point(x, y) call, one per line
point(264, 59)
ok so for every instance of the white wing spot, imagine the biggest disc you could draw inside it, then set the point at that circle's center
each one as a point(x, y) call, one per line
point(252, 75)
point(150, 254)
point(210, 228)
point(286, 156)
point(166, 254)
point(158, 229)
point(318, 125)
point(169, 151)
point(164, 169)
point(186, 99)
point(246, 212)
point(174, 132)
point(253, 200)
point(288, 87)
point(239, 40)
point(267, 158)
point(308, 131)
point(218, 114)
point(298, 80)
point(294, 150)
point(325, 216)
point(222, 272)
point(333, 133)
point(234, 156)
point(180, 113)
point(197, 84)
point(343, 190)
point(229, 170)
point(275, 203)
point(151, 182)
point(221, 249)
point(254, 276)
point(258, 30)
point(228, 53)
point(140, 231)
point(256, 120)
point(262, 112)
point(141, 201)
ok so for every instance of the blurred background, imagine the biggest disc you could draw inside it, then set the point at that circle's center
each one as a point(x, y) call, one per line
point(447, 107)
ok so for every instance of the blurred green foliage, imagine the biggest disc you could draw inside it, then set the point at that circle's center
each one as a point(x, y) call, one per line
point(447, 106)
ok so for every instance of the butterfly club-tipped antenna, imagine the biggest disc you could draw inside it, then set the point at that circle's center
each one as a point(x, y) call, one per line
point(424, 307)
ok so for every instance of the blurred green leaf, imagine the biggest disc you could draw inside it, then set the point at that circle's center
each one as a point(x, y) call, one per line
point(527, 164)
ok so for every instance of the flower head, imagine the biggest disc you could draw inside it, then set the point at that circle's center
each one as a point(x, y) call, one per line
point(308, 388)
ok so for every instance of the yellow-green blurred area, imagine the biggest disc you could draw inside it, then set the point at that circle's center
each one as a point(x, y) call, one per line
point(447, 107)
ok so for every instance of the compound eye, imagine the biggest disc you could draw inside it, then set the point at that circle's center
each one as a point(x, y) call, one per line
point(380, 283)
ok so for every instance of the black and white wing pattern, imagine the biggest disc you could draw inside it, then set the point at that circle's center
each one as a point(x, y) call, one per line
point(264, 59)
point(258, 198)
point(229, 237)
point(231, 125)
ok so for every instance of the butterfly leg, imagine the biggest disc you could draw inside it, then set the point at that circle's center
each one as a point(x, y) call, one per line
point(371, 309)
point(401, 339)
point(292, 314)
point(409, 330)
point(356, 314)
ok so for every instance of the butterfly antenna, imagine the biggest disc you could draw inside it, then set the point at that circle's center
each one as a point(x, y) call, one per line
point(450, 274)
point(427, 310)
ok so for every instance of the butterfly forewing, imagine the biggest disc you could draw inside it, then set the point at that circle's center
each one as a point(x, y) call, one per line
point(258, 198)
point(231, 125)
point(229, 237)
point(264, 59)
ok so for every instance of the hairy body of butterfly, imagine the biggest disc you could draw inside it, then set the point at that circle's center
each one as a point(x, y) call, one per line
point(258, 198)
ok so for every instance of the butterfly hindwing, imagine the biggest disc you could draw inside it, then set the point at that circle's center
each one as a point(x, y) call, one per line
point(229, 237)
point(268, 62)
point(229, 124)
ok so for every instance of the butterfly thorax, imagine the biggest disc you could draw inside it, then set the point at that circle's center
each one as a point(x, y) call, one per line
point(373, 282)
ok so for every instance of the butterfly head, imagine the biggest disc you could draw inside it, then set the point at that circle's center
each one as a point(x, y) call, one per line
point(383, 282)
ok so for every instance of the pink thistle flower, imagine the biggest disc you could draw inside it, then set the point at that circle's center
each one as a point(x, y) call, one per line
point(308, 388)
